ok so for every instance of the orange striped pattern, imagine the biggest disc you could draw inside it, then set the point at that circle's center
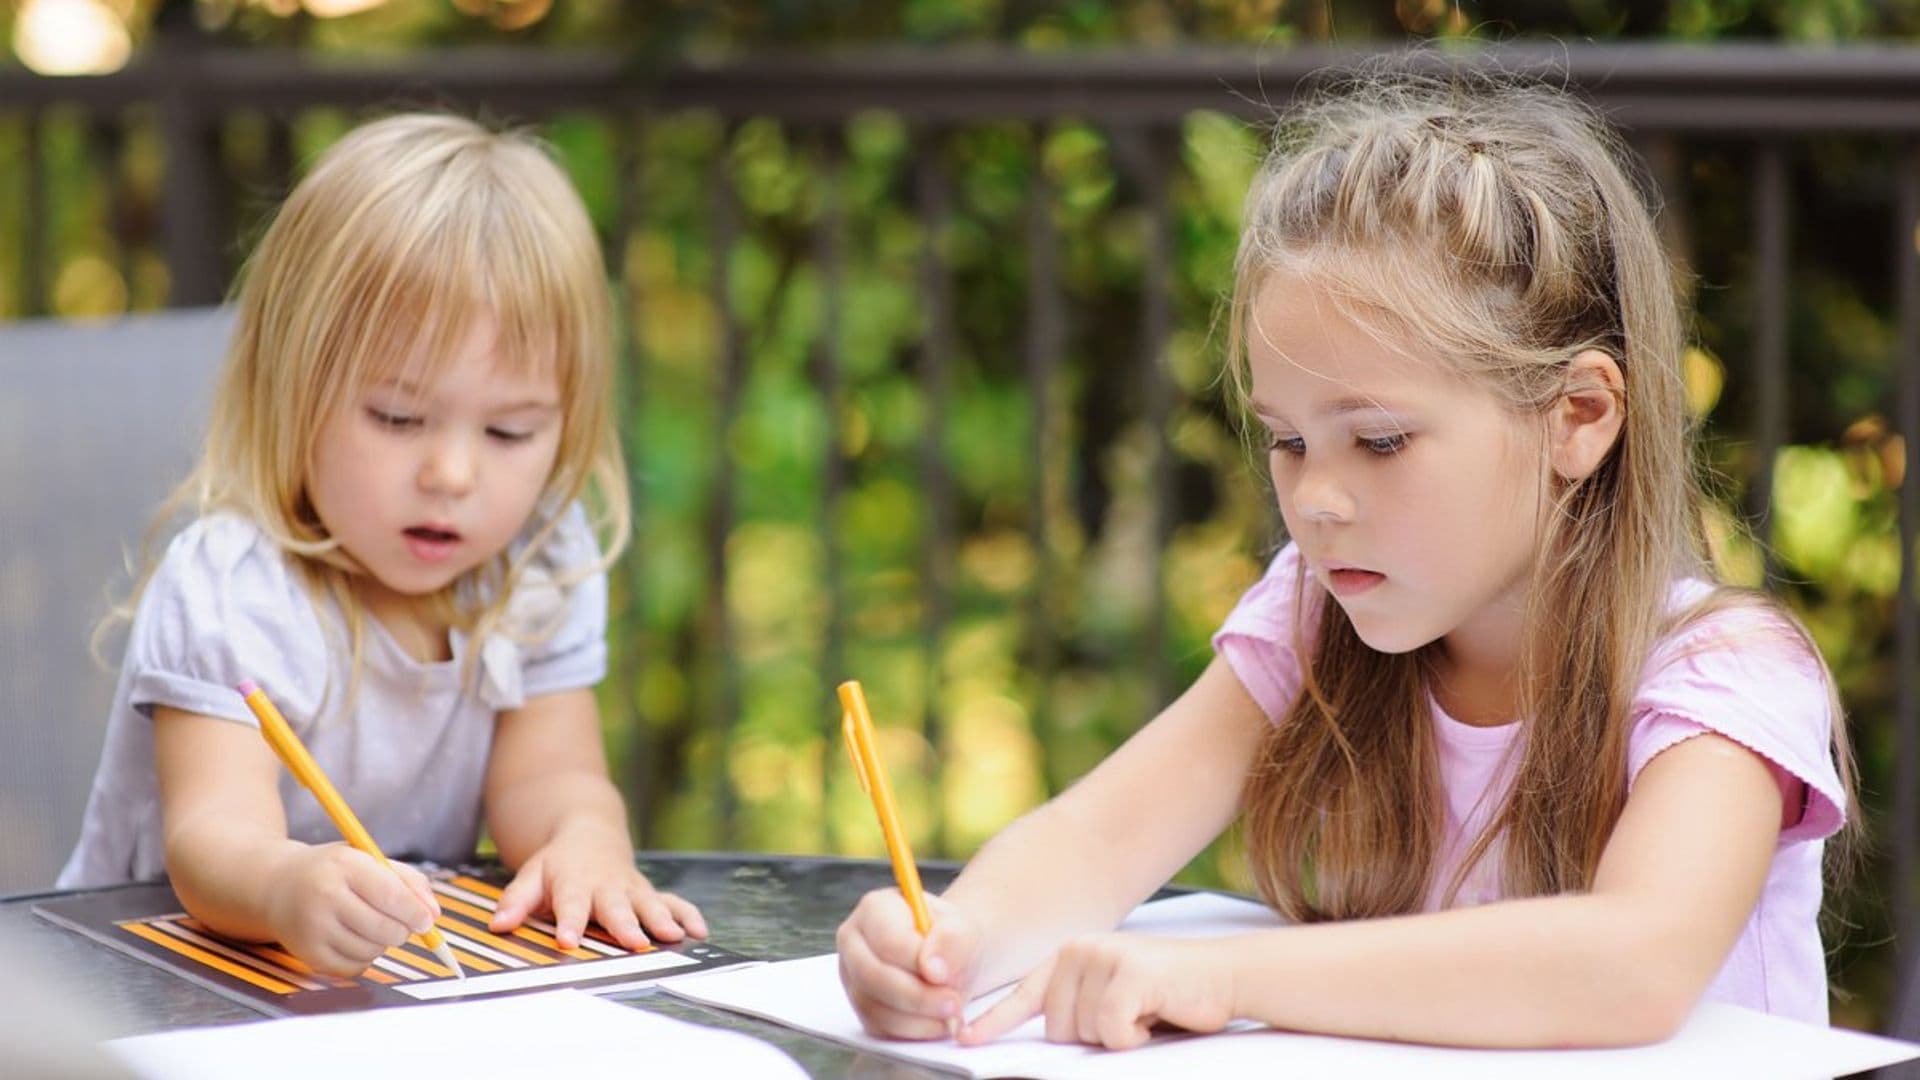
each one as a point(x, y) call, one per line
point(418, 962)
point(468, 959)
point(213, 960)
point(473, 884)
point(484, 936)
point(467, 907)
point(292, 963)
point(528, 933)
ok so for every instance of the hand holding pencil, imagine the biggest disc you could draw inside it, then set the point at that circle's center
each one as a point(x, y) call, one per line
point(906, 959)
point(287, 746)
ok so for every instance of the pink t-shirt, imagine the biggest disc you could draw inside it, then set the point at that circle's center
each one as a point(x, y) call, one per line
point(1729, 673)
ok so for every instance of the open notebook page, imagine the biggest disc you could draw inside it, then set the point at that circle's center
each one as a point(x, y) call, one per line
point(806, 994)
point(1719, 1040)
point(553, 1033)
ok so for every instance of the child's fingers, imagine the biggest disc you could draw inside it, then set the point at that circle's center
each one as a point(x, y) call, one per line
point(1095, 1002)
point(360, 950)
point(685, 914)
point(418, 882)
point(382, 893)
point(382, 928)
point(614, 909)
point(342, 954)
point(1062, 992)
point(883, 921)
point(946, 953)
point(1009, 1012)
point(519, 898)
point(892, 1024)
point(872, 982)
point(572, 907)
point(654, 914)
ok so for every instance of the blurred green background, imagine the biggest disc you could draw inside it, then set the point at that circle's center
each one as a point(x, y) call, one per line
point(1038, 669)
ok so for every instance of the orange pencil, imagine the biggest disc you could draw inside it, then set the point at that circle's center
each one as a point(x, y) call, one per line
point(857, 726)
point(288, 747)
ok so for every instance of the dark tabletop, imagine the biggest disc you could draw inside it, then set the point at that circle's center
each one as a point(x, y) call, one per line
point(766, 906)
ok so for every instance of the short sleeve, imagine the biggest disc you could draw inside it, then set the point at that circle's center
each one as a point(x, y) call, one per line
point(574, 654)
point(222, 608)
point(1745, 674)
point(1263, 634)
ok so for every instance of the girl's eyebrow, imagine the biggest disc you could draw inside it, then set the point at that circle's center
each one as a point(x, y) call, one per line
point(413, 389)
point(1346, 405)
point(1337, 407)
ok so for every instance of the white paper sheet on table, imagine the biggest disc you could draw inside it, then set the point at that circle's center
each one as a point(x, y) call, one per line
point(1719, 1040)
point(558, 1033)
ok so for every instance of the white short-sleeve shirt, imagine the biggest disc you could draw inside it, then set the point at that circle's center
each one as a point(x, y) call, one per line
point(408, 753)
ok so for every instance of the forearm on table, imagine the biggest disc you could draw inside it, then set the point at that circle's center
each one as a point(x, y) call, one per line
point(224, 873)
point(1577, 970)
point(529, 814)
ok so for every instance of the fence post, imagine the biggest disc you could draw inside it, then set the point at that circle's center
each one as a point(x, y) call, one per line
point(190, 219)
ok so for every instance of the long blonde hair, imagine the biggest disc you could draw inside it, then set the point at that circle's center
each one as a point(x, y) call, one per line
point(1496, 223)
point(400, 237)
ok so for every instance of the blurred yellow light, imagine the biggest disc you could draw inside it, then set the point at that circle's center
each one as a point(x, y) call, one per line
point(519, 15)
point(331, 9)
point(70, 37)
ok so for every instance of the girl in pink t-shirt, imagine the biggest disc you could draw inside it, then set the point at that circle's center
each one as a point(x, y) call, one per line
point(1513, 766)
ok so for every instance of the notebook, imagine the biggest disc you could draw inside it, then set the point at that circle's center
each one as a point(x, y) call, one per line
point(1718, 1040)
point(557, 1033)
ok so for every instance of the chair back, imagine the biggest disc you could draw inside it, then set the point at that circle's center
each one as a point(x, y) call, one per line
point(98, 421)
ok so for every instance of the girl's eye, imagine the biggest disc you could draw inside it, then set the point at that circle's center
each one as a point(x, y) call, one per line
point(507, 436)
point(393, 419)
point(1386, 445)
point(1291, 445)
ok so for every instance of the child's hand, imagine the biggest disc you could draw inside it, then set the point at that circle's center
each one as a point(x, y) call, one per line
point(1109, 990)
point(587, 874)
point(338, 908)
point(904, 986)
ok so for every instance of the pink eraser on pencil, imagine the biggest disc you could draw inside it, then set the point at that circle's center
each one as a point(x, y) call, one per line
point(247, 688)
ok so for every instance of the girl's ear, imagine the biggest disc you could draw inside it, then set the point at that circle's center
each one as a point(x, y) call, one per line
point(1585, 423)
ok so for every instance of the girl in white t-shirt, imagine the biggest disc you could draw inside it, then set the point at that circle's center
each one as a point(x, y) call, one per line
point(390, 536)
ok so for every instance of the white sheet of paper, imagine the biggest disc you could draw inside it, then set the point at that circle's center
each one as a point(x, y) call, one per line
point(558, 1033)
point(1719, 1040)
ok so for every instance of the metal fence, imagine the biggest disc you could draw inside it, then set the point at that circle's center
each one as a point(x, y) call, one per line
point(1755, 105)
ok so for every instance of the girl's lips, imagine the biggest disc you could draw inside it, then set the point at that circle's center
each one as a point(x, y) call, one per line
point(1351, 582)
point(431, 545)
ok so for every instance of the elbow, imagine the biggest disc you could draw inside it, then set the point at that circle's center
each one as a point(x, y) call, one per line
point(1619, 1015)
point(1650, 968)
point(1634, 997)
point(1651, 1011)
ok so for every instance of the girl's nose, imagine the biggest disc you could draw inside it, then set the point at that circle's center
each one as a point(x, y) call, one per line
point(1318, 495)
point(449, 468)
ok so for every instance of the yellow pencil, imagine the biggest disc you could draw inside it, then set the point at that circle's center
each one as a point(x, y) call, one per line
point(288, 747)
point(857, 726)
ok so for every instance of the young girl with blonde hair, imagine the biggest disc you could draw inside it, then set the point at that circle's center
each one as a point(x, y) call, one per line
point(390, 536)
point(1513, 767)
